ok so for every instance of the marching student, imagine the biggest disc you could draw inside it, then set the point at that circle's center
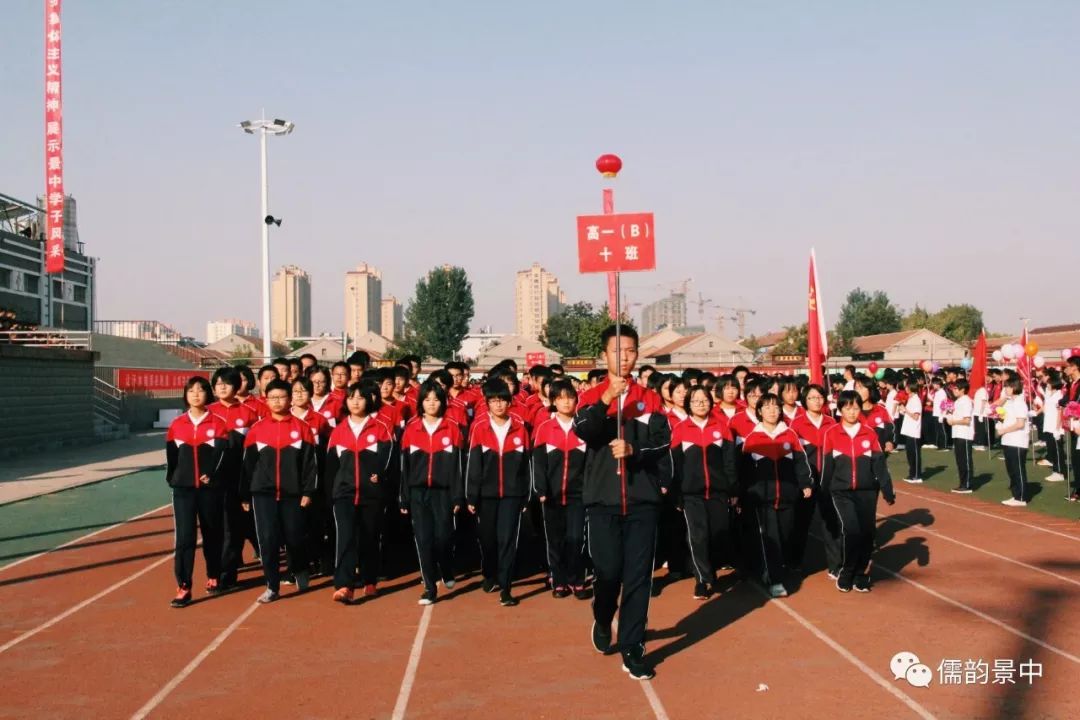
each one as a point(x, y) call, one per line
point(279, 481)
point(938, 396)
point(675, 408)
point(854, 471)
point(961, 418)
point(238, 418)
point(789, 396)
point(911, 429)
point(874, 415)
point(432, 487)
point(247, 384)
point(296, 369)
point(195, 445)
point(811, 429)
point(705, 487)
point(358, 365)
point(322, 400)
point(627, 473)
point(777, 477)
point(558, 458)
point(319, 552)
point(1013, 431)
point(339, 383)
point(308, 362)
point(497, 486)
point(726, 400)
point(357, 461)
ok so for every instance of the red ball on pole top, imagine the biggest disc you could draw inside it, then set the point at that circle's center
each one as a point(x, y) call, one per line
point(609, 165)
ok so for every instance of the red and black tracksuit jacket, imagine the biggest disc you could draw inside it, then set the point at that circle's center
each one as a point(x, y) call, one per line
point(194, 450)
point(878, 420)
point(558, 458)
point(258, 405)
point(854, 463)
point(497, 472)
point(776, 470)
point(432, 460)
point(645, 427)
point(329, 406)
point(704, 459)
point(742, 424)
point(239, 419)
point(352, 459)
point(812, 436)
point(279, 459)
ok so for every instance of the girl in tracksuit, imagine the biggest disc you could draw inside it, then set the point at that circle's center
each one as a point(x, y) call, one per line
point(558, 458)
point(811, 428)
point(854, 470)
point(194, 448)
point(874, 415)
point(279, 481)
point(705, 486)
point(777, 477)
point(497, 486)
point(432, 488)
point(357, 464)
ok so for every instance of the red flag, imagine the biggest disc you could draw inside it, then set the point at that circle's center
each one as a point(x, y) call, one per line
point(817, 340)
point(978, 367)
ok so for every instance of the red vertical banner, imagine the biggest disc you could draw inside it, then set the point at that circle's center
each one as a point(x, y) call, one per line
point(612, 284)
point(54, 142)
point(817, 339)
point(978, 365)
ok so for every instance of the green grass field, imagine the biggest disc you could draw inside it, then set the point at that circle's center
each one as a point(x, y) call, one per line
point(990, 481)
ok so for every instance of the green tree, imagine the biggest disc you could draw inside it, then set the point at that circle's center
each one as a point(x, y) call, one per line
point(864, 313)
point(959, 323)
point(916, 319)
point(439, 314)
point(575, 330)
point(295, 345)
point(794, 343)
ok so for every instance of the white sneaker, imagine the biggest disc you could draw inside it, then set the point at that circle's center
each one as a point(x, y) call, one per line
point(1055, 477)
point(1040, 443)
point(929, 447)
point(913, 481)
point(1045, 463)
point(1013, 502)
point(979, 447)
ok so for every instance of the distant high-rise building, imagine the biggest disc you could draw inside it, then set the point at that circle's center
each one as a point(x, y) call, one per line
point(363, 301)
point(393, 319)
point(218, 329)
point(536, 298)
point(670, 312)
point(290, 304)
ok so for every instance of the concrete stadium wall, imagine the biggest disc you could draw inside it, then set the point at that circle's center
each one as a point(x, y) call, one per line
point(47, 399)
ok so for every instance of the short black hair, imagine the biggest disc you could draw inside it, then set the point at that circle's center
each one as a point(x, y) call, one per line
point(304, 383)
point(370, 392)
point(495, 388)
point(360, 358)
point(810, 387)
point(697, 389)
point(847, 398)
point(557, 369)
point(278, 384)
point(200, 381)
point(228, 375)
point(596, 373)
point(428, 387)
point(962, 385)
point(561, 387)
point(268, 368)
point(442, 376)
point(624, 331)
point(339, 364)
point(540, 371)
point(402, 371)
point(455, 365)
point(279, 361)
point(247, 374)
point(309, 356)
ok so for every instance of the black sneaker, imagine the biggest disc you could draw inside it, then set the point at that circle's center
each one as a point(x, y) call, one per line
point(633, 663)
point(844, 583)
point(601, 638)
point(581, 592)
point(862, 583)
point(561, 592)
point(961, 490)
point(428, 598)
point(701, 591)
point(489, 585)
point(507, 600)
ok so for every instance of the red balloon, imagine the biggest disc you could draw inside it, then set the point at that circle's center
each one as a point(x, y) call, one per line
point(609, 165)
point(872, 367)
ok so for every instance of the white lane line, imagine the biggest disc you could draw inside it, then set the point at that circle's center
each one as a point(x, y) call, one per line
point(71, 611)
point(191, 666)
point(78, 540)
point(921, 496)
point(980, 614)
point(414, 663)
point(903, 697)
point(1021, 563)
point(654, 701)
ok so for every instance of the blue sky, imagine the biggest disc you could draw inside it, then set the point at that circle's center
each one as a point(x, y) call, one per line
point(931, 150)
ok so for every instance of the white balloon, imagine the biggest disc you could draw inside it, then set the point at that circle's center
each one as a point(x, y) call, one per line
point(998, 356)
point(1039, 361)
point(1007, 351)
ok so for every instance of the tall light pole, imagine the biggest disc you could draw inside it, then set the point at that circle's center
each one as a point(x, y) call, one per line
point(266, 127)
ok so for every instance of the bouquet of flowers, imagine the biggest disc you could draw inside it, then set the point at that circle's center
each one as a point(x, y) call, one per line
point(902, 397)
point(1000, 411)
point(1072, 411)
point(946, 407)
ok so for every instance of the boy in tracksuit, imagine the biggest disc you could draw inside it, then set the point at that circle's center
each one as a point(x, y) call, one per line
point(627, 472)
point(706, 485)
point(194, 447)
point(432, 490)
point(558, 474)
point(279, 481)
point(854, 470)
point(239, 419)
point(497, 487)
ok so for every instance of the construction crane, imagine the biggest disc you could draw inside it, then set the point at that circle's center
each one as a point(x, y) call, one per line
point(738, 315)
point(701, 303)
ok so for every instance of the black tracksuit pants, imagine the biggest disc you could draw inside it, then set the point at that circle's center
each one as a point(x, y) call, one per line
point(622, 548)
point(964, 461)
point(433, 530)
point(357, 529)
point(708, 532)
point(1055, 452)
point(914, 457)
point(276, 520)
point(775, 526)
point(857, 512)
point(204, 506)
point(1015, 465)
point(239, 527)
point(795, 548)
point(830, 524)
point(564, 529)
point(499, 529)
point(671, 545)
